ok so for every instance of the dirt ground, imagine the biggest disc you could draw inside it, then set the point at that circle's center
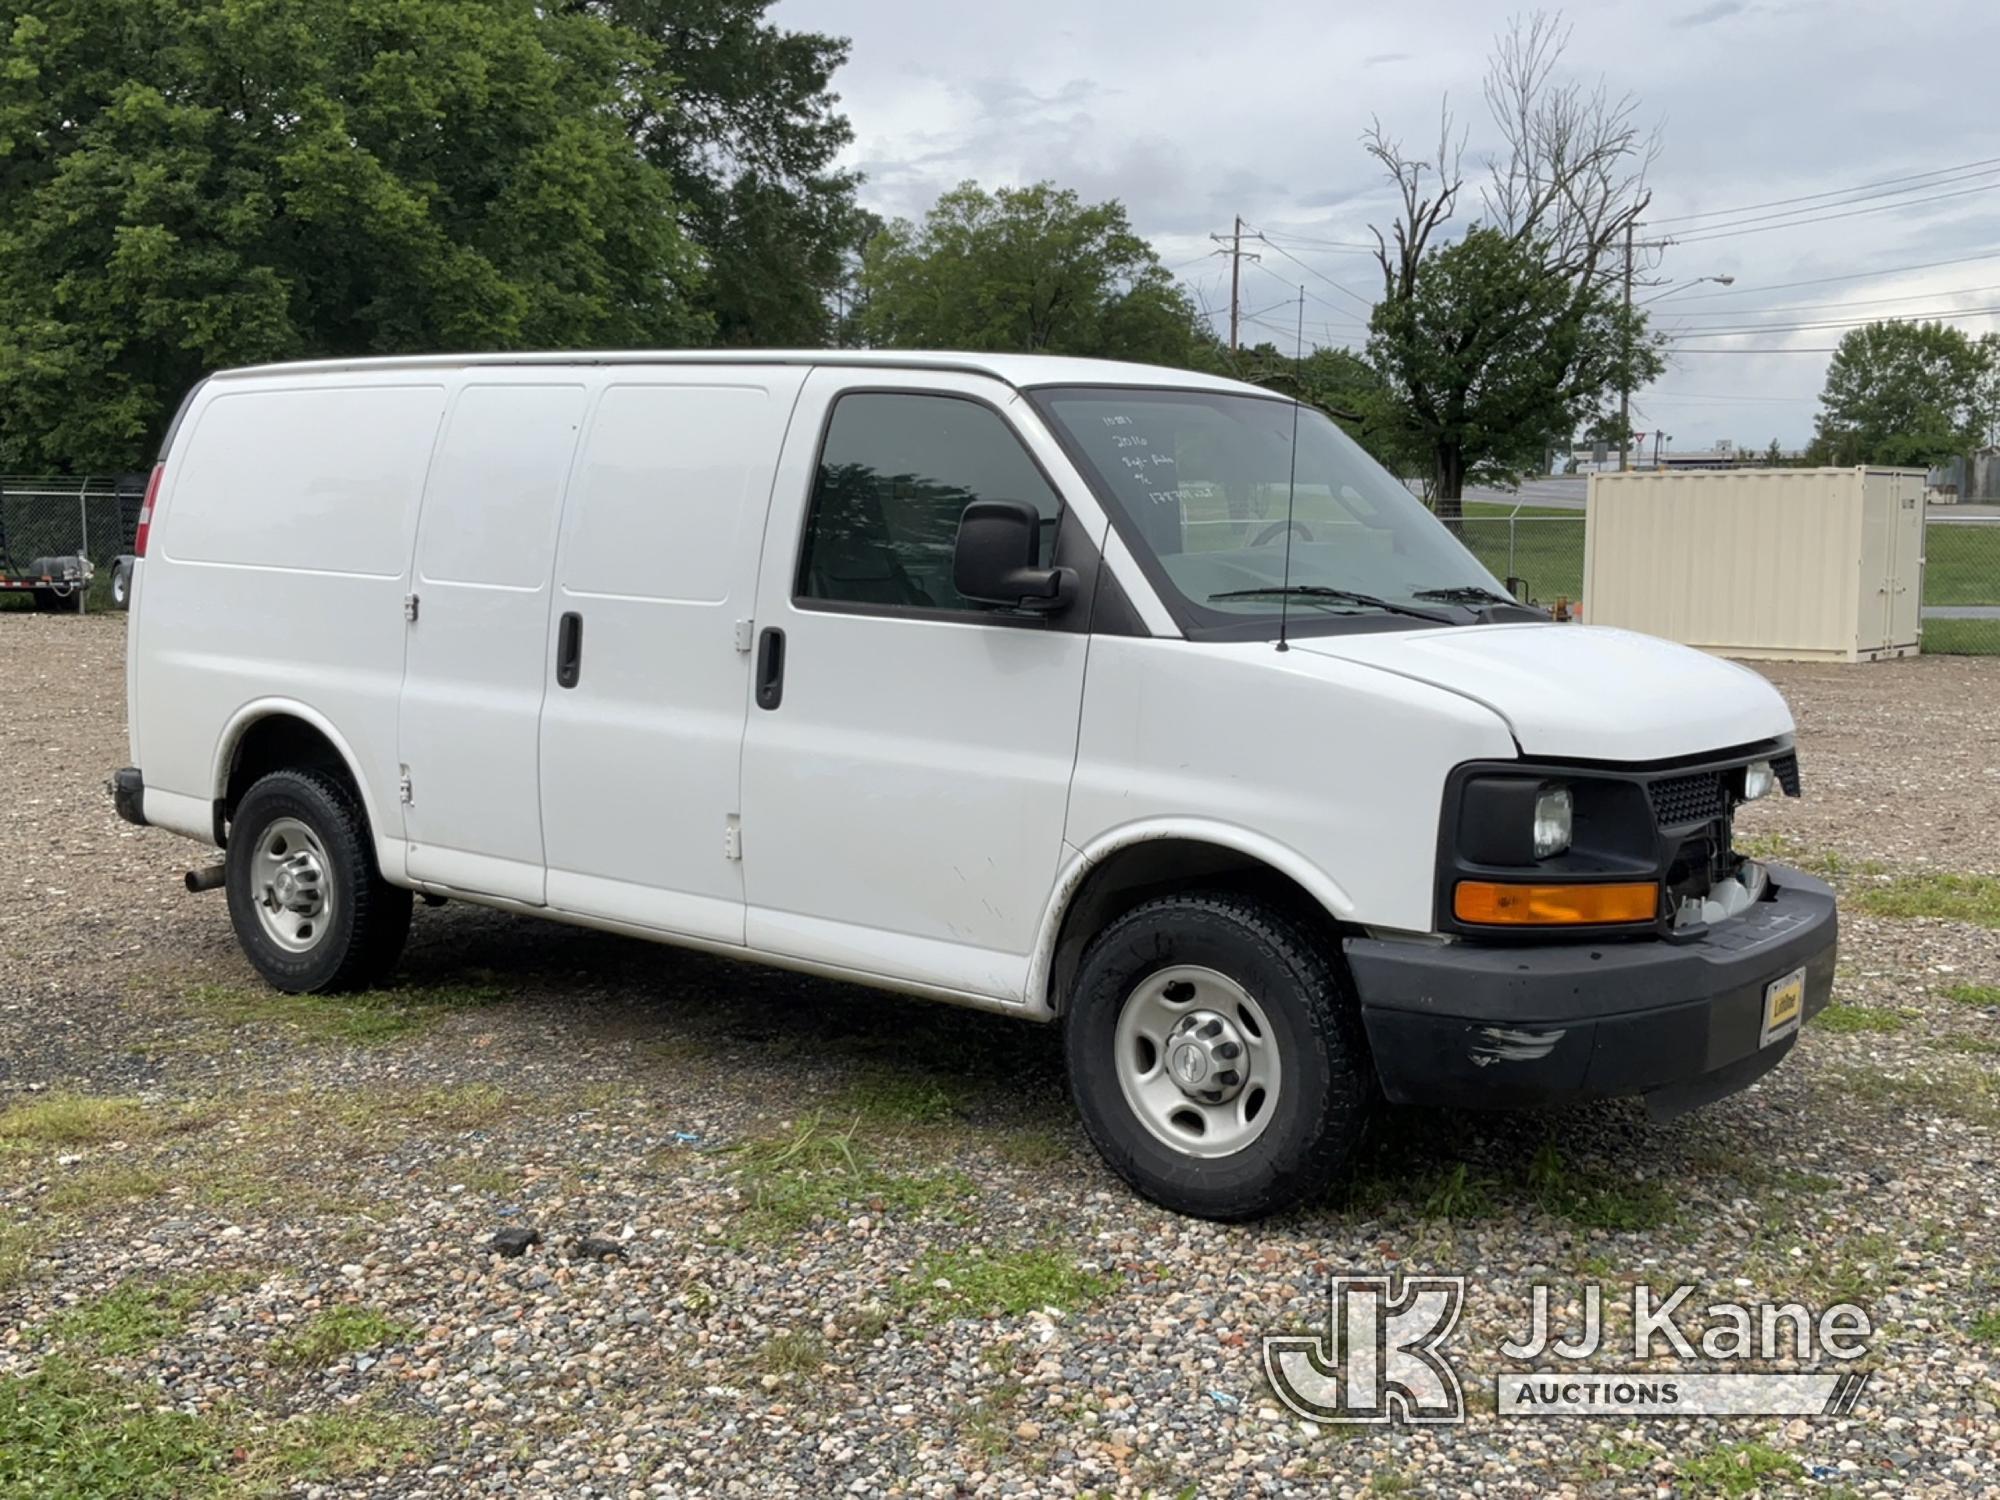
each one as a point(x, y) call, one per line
point(801, 1239)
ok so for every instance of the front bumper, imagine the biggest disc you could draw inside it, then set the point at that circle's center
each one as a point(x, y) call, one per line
point(1680, 1023)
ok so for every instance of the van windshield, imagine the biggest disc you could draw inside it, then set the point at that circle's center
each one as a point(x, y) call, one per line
point(1197, 482)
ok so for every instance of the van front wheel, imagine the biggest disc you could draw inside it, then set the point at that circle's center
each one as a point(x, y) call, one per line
point(309, 906)
point(1215, 1056)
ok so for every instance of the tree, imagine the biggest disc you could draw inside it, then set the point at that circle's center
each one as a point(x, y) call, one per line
point(1513, 334)
point(189, 185)
point(1774, 456)
point(1028, 269)
point(1902, 393)
point(743, 117)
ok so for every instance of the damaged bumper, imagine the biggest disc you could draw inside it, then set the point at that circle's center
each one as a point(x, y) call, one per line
point(1681, 1023)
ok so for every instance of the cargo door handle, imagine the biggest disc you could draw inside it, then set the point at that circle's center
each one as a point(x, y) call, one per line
point(771, 668)
point(569, 650)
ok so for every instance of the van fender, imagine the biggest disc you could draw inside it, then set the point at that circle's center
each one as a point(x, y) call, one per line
point(389, 852)
point(1079, 862)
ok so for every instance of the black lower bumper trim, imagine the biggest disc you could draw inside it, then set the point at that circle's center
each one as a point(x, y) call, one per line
point(1681, 1023)
point(128, 795)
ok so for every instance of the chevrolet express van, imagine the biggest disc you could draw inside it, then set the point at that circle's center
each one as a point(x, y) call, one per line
point(1129, 698)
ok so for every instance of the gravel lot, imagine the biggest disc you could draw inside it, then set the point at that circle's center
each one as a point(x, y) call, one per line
point(860, 1244)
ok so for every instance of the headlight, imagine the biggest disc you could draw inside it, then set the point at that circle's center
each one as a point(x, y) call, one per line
point(1758, 780)
point(1555, 813)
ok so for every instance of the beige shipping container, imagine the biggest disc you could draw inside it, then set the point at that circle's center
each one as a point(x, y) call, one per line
point(1767, 564)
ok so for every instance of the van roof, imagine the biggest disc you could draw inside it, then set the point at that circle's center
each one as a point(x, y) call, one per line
point(1017, 370)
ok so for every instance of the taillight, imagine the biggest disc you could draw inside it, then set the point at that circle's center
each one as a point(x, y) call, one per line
point(146, 510)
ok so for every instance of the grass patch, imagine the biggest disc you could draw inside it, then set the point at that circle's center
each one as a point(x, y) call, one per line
point(338, 1332)
point(1985, 1329)
point(1846, 1020)
point(1961, 637)
point(1961, 1093)
point(101, 1187)
point(965, 1284)
point(16, 1258)
point(1586, 1197)
point(1739, 1469)
point(1970, 1046)
point(795, 1354)
point(887, 1097)
point(365, 1019)
point(138, 1315)
point(1592, 1198)
point(1956, 898)
point(70, 1432)
point(1974, 994)
point(87, 1120)
point(816, 1173)
point(65, 1431)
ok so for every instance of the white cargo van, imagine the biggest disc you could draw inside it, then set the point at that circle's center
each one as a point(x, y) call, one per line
point(1131, 698)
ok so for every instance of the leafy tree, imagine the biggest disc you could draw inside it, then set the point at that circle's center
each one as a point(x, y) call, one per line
point(1902, 393)
point(187, 184)
point(1028, 269)
point(1512, 334)
point(1774, 456)
point(742, 115)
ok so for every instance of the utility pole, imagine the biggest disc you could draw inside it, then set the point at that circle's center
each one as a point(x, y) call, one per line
point(1233, 243)
point(1625, 374)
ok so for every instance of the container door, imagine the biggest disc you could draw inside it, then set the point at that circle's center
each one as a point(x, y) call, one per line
point(1878, 564)
point(471, 703)
point(1906, 589)
point(649, 666)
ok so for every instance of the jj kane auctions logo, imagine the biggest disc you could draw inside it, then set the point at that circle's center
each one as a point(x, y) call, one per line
point(1381, 1357)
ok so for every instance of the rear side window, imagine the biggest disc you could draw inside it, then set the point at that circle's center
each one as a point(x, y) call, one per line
point(895, 474)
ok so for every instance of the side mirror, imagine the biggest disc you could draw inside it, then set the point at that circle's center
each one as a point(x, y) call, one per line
point(994, 561)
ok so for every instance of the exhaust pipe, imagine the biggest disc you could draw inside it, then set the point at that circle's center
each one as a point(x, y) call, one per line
point(207, 880)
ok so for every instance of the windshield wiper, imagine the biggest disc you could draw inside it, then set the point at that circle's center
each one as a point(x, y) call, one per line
point(1314, 591)
point(1466, 593)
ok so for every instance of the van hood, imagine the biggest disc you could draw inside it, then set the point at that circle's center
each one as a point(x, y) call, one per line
point(1581, 692)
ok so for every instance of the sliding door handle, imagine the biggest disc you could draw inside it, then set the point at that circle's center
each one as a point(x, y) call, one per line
point(569, 650)
point(771, 668)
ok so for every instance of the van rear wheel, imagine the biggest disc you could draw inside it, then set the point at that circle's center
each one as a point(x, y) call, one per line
point(1216, 1057)
point(309, 905)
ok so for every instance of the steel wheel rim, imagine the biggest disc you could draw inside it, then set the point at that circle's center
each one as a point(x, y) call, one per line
point(118, 588)
point(1172, 1069)
point(291, 885)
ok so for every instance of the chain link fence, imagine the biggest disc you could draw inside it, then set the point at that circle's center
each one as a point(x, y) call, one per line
point(44, 522)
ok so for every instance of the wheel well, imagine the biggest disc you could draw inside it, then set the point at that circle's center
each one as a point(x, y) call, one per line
point(1137, 873)
point(280, 742)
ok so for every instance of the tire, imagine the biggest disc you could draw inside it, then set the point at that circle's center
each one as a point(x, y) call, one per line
point(121, 584)
point(355, 934)
point(1210, 952)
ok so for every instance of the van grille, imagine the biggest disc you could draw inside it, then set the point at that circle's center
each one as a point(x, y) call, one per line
point(1695, 798)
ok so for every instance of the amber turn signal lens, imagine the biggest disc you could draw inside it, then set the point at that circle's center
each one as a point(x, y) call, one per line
point(1494, 904)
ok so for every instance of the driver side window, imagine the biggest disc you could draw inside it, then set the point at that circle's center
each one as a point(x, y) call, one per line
point(896, 471)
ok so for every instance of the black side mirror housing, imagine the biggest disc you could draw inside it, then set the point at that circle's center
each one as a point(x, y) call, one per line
point(994, 561)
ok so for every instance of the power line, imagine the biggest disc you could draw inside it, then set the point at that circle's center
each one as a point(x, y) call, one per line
point(1731, 231)
point(1313, 271)
point(1887, 182)
point(1923, 317)
point(1821, 349)
point(1356, 246)
point(1960, 291)
point(1786, 286)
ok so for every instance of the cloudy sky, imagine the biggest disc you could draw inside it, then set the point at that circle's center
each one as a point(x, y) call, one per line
point(1192, 113)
